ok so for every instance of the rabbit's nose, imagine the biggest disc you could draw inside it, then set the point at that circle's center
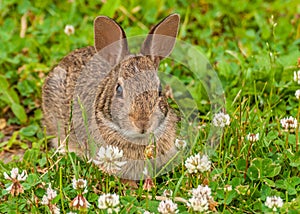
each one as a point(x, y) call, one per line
point(142, 125)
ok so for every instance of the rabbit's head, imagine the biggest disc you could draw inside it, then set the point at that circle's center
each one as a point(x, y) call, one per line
point(131, 101)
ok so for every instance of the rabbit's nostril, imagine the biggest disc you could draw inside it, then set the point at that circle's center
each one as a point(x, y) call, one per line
point(142, 126)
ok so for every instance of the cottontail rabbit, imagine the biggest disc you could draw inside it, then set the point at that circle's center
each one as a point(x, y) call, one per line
point(103, 95)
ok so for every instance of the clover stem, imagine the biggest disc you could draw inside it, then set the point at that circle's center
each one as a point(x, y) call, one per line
point(247, 159)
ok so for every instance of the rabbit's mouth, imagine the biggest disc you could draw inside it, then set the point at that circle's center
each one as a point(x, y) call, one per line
point(142, 136)
point(135, 135)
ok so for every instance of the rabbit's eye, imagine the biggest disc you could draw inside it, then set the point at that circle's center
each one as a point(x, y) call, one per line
point(160, 90)
point(119, 90)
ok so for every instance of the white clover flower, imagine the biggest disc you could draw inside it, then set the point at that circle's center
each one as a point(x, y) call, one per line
point(80, 202)
point(297, 76)
point(69, 29)
point(201, 198)
point(167, 207)
point(15, 188)
point(108, 159)
point(198, 204)
point(167, 193)
point(109, 202)
point(297, 94)
point(289, 123)
point(253, 137)
point(79, 184)
point(274, 202)
point(180, 144)
point(14, 175)
point(201, 191)
point(49, 196)
point(47, 199)
point(55, 209)
point(221, 120)
point(51, 193)
point(147, 212)
point(148, 184)
point(195, 164)
point(227, 188)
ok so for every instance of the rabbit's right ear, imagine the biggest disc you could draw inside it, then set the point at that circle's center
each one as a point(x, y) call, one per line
point(110, 40)
point(161, 38)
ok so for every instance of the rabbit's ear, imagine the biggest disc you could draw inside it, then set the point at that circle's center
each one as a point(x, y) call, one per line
point(110, 39)
point(161, 38)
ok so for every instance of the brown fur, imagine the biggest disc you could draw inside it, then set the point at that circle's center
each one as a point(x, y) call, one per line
point(58, 90)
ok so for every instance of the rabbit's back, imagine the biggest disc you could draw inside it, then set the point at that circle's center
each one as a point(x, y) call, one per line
point(58, 91)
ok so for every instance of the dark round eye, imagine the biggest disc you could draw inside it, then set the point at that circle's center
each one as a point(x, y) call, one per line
point(119, 90)
point(160, 90)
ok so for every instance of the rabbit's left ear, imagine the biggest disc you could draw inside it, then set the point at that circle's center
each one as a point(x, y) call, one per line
point(161, 38)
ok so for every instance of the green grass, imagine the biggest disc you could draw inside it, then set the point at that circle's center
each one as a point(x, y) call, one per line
point(252, 45)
